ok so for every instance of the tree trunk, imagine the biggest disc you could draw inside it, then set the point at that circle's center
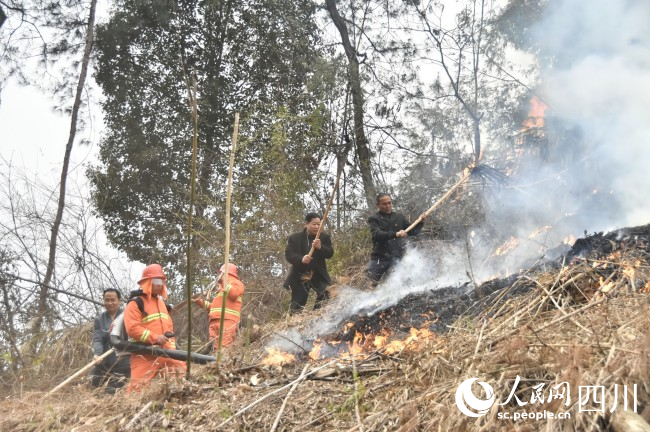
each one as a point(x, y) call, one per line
point(477, 140)
point(354, 79)
point(8, 327)
point(42, 303)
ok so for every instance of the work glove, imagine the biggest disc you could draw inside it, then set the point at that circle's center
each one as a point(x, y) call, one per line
point(198, 299)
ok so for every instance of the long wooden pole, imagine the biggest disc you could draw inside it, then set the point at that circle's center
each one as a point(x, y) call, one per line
point(341, 166)
point(80, 371)
point(327, 210)
point(188, 271)
point(227, 252)
point(441, 200)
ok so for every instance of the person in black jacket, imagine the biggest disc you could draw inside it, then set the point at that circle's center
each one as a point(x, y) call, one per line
point(387, 230)
point(307, 272)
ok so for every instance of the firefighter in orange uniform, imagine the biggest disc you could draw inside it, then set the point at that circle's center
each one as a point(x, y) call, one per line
point(233, 295)
point(151, 326)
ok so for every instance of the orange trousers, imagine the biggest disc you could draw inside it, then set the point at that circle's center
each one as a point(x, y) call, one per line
point(229, 331)
point(145, 367)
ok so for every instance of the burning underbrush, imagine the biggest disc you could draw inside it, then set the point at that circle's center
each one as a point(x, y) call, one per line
point(541, 341)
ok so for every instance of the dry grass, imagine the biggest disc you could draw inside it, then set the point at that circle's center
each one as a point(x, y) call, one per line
point(586, 324)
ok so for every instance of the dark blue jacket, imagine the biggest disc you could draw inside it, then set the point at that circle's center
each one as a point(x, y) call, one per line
point(383, 228)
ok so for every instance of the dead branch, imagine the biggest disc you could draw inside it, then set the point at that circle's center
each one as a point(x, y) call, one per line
point(286, 399)
point(140, 413)
point(246, 408)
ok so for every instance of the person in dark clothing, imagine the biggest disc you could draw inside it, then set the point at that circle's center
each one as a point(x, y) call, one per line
point(114, 370)
point(307, 272)
point(387, 230)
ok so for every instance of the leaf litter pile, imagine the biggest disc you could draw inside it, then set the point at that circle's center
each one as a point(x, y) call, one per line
point(579, 324)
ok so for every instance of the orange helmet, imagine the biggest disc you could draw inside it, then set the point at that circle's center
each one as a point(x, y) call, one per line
point(232, 270)
point(152, 271)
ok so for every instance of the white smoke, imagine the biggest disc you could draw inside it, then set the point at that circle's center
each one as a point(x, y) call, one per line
point(595, 77)
point(598, 86)
point(601, 83)
point(420, 270)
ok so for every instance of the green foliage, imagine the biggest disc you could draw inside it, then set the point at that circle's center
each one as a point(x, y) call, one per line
point(355, 397)
point(516, 21)
point(225, 412)
point(352, 247)
point(44, 36)
point(260, 58)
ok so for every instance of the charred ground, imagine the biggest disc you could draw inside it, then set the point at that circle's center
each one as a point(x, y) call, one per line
point(438, 308)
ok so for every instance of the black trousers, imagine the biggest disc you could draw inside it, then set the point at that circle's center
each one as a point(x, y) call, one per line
point(113, 372)
point(378, 267)
point(300, 293)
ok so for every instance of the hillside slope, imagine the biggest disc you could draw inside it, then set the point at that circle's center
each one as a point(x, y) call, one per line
point(582, 321)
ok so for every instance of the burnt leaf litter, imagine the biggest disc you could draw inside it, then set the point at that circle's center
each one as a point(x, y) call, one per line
point(440, 307)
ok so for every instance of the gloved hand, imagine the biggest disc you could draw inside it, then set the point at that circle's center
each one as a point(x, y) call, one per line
point(198, 298)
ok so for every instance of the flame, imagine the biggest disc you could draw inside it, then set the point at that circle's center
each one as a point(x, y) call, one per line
point(363, 344)
point(314, 354)
point(360, 346)
point(536, 114)
point(514, 242)
point(357, 345)
point(416, 340)
point(278, 358)
point(538, 231)
point(380, 341)
point(532, 127)
point(569, 240)
point(509, 245)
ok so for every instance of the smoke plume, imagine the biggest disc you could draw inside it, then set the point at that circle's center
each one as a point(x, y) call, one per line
point(593, 175)
point(599, 83)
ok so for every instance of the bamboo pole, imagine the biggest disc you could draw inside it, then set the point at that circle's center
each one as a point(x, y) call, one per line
point(188, 274)
point(227, 252)
point(355, 377)
point(441, 200)
point(80, 371)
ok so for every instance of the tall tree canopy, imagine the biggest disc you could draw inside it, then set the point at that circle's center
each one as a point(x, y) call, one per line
point(259, 57)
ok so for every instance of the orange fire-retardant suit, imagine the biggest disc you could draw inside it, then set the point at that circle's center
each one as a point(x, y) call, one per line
point(149, 328)
point(233, 295)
